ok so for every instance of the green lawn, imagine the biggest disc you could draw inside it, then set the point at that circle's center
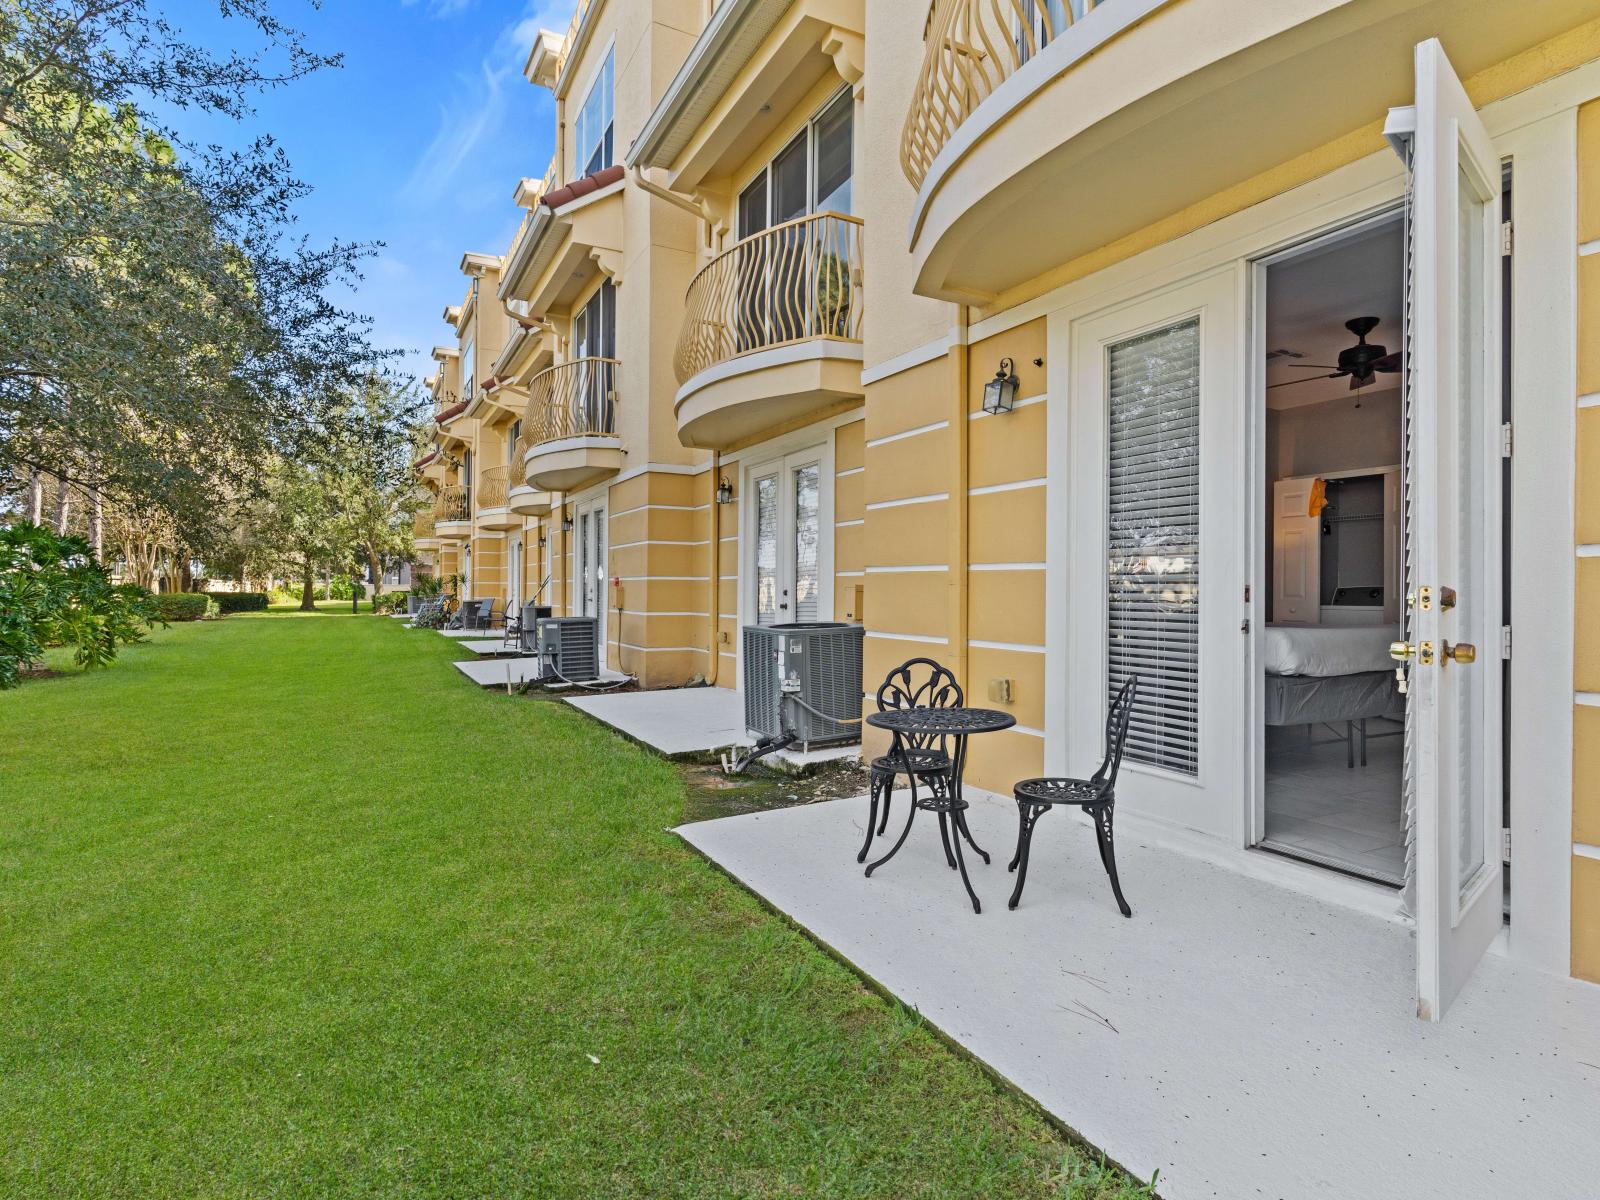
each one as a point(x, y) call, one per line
point(288, 908)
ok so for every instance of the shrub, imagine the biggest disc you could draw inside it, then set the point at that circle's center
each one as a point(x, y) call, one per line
point(339, 588)
point(54, 593)
point(233, 602)
point(183, 606)
point(390, 602)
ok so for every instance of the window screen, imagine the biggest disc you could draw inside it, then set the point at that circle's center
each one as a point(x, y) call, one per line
point(1153, 541)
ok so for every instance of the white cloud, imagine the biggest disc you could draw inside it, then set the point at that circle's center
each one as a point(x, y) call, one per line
point(441, 9)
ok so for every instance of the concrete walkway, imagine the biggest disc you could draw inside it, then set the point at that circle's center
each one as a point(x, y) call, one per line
point(1246, 1039)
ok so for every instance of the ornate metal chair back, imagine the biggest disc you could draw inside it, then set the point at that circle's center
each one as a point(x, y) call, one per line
point(920, 683)
point(1117, 718)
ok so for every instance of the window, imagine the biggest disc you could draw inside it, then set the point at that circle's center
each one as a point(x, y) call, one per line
point(513, 436)
point(467, 368)
point(594, 135)
point(1153, 541)
point(811, 174)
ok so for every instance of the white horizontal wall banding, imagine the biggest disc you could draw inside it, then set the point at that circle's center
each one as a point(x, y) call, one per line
point(933, 498)
point(909, 433)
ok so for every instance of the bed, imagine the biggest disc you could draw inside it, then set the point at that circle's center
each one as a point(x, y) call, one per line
point(1331, 674)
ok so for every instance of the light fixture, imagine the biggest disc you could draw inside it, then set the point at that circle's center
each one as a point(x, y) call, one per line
point(1000, 393)
point(724, 491)
point(543, 541)
point(566, 520)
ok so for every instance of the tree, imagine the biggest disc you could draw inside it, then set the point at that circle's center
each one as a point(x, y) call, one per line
point(374, 491)
point(161, 330)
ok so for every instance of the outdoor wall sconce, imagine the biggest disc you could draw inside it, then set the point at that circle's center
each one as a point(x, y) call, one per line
point(543, 541)
point(724, 491)
point(566, 521)
point(1000, 393)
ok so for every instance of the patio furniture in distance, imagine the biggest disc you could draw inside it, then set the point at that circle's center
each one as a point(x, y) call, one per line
point(1097, 796)
point(930, 726)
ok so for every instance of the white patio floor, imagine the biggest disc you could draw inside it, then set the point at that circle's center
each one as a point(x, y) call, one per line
point(1246, 1039)
point(676, 721)
point(496, 672)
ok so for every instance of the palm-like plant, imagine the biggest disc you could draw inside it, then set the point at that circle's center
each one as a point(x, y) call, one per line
point(54, 593)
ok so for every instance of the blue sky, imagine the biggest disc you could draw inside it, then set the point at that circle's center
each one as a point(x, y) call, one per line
point(417, 141)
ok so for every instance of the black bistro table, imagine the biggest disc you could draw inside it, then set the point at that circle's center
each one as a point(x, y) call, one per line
point(922, 726)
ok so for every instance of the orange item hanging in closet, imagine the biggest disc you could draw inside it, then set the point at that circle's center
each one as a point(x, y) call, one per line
point(1319, 496)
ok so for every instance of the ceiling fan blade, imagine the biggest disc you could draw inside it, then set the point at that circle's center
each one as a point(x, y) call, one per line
point(1309, 366)
point(1390, 363)
point(1357, 382)
point(1307, 379)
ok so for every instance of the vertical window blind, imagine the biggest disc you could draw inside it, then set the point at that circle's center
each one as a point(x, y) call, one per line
point(1153, 541)
point(766, 550)
point(807, 533)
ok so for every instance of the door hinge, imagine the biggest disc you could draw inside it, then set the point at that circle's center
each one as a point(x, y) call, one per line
point(1505, 238)
point(1505, 641)
point(1505, 844)
point(1505, 440)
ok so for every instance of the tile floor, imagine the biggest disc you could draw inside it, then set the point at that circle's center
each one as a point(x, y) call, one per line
point(1348, 816)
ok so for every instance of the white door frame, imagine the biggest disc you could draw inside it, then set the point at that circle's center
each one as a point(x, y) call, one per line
point(592, 516)
point(1076, 607)
point(1536, 129)
point(514, 575)
point(785, 454)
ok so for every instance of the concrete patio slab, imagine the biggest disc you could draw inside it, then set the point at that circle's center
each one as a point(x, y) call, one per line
point(672, 720)
point(1244, 1038)
point(494, 672)
point(682, 721)
point(460, 633)
point(487, 647)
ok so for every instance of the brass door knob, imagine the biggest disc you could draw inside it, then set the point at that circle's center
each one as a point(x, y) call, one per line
point(1405, 651)
point(1462, 652)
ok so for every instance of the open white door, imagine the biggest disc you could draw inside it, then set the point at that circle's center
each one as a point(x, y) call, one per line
point(1451, 501)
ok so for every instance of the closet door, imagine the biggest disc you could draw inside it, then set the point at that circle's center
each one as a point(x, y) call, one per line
point(1296, 555)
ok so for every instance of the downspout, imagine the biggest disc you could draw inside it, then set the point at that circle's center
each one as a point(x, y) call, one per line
point(714, 602)
point(655, 189)
point(960, 430)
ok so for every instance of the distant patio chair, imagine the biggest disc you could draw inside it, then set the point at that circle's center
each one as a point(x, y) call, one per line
point(1096, 795)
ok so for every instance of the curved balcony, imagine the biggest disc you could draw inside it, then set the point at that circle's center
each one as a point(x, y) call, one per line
point(452, 512)
point(524, 499)
point(1042, 133)
point(493, 499)
point(571, 424)
point(772, 332)
point(423, 535)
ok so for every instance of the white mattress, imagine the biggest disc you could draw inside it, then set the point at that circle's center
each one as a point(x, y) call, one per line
point(1327, 650)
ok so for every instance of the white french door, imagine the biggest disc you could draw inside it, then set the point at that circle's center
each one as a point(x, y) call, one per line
point(1451, 502)
point(1155, 589)
point(590, 567)
point(514, 578)
point(789, 532)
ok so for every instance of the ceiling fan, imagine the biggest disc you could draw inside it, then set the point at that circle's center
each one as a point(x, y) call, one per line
point(1361, 363)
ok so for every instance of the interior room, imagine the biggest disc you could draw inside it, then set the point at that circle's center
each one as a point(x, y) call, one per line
point(1333, 711)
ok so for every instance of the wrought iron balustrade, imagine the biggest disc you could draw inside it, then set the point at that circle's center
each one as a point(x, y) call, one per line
point(572, 399)
point(970, 47)
point(791, 283)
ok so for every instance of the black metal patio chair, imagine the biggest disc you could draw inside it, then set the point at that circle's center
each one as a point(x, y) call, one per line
point(926, 758)
point(1097, 796)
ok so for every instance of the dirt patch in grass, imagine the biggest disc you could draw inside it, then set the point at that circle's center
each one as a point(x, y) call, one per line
point(712, 793)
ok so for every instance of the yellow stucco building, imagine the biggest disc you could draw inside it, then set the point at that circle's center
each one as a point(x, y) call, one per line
point(1291, 313)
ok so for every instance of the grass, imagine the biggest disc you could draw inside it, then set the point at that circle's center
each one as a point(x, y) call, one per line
point(288, 908)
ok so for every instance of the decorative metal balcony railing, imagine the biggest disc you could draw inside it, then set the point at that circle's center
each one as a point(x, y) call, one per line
point(791, 283)
point(454, 503)
point(969, 48)
point(519, 468)
point(494, 483)
point(574, 399)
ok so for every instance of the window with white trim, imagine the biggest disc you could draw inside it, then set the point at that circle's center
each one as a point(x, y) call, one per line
point(595, 118)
